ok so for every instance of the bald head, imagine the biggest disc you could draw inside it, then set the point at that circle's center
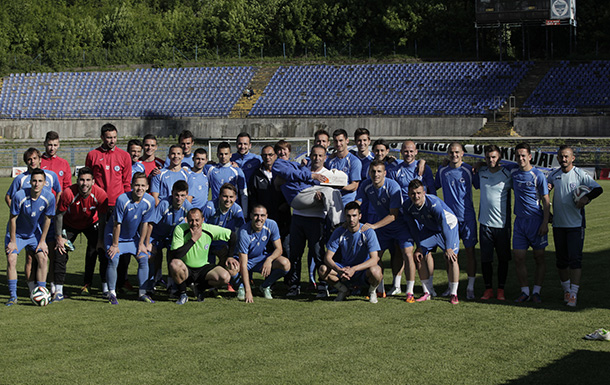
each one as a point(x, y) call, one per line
point(409, 151)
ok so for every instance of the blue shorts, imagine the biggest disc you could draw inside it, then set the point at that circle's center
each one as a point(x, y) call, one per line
point(568, 246)
point(256, 264)
point(525, 234)
point(431, 242)
point(394, 235)
point(128, 247)
point(468, 232)
point(359, 278)
point(493, 238)
point(29, 243)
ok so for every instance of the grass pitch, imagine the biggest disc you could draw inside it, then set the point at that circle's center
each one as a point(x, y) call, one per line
point(307, 341)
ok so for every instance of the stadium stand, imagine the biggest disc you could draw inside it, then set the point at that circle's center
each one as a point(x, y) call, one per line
point(466, 88)
point(143, 93)
point(571, 89)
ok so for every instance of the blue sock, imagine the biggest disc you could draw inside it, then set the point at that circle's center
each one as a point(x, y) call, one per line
point(12, 288)
point(43, 284)
point(274, 276)
point(143, 272)
point(111, 273)
point(236, 280)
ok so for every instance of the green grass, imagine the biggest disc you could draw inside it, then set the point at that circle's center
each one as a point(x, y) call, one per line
point(85, 340)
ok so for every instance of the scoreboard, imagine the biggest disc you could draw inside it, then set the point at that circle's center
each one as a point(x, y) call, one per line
point(516, 11)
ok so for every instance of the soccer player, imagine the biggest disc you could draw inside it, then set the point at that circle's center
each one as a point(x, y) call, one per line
point(321, 138)
point(224, 172)
point(247, 161)
point(134, 149)
point(495, 182)
point(569, 220)
point(532, 208)
point(81, 209)
point(128, 234)
point(31, 212)
point(346, 162)
point(199, 186)
point(456, 181)
point(170, 212)
point(381, 151)
point(189, 255)
point(162, 183)
point(383, 195)
point(223, 212)
point(362, 137)
point(259, 248)
point(433, 224)
point(31, 157)
point(186, 139)
point(50, 160)
point(359, 260)
point(111, 166)
point(152, 164)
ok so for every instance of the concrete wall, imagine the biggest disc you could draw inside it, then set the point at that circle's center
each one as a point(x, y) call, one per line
point(257, 127)
point(586, 126)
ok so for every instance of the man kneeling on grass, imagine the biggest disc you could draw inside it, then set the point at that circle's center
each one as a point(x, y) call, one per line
point(256, 239)
point(189, 261)
point(359, 260)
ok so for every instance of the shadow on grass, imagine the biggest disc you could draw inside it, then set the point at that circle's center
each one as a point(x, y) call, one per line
point(583, 366)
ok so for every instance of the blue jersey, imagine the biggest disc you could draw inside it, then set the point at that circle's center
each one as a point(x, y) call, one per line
point(253, 243)
point(405, 173)
point(165, 218)
point(565, 213)
point(297, 177)
point(248, 163)
point(232, 219)
point(355, 247)
point(382, 199)
point(131, 215)
point(199, 187)
point(457, 190)
point(529, 186)
point(221, 174)
point(494, 206)
point(393, 165)
point(433, 217)
point(137, 167)
point(187, 161)
point(22, 181)
point(352, 167)
point(31, 214)
point(163, 182)
point(365, 163)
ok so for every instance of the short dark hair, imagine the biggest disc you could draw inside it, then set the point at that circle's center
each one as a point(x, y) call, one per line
point(138, 175)
point(522, 146)
point(38, 171)
point(180, 185)
point(353, 205)
point(201, 151)
point(149, 136)
point(415, 183)
point(222, 145)
point(185, 135)
point(84, 171)
point(381, 142)
point(321, 131)
point(134, 142)
point(194, 210)
point(565, 147)
point(258, 206)
point(228, 186)
point(318, 146)
point(107, 128)
point(361, 131)
point(377, 162)
point(51, 135)
point(493, 148)
point(267, 146)
point(243, 135)
point(338, 132)
point(29, 153)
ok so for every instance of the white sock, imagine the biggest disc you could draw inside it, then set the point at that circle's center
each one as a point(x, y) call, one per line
point(565, 285)
point(574, 289)
point(59, 289)
point(53, 289)
point(470, 283)
point(381, 286)
point(104, 287)
point(396, 281)
point(372, 289)
point(453, 286)
point(410, 285)
point(113, 292)
point(31, 285)
point(537, 289)
point(526, 290)
point(141, 292)
point(425, 283)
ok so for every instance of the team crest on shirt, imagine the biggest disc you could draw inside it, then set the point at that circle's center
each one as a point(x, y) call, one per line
point(264, 238)
point(117, 168)
point(360, 243)
point(41, 208)
point(61, 173)
point(572, 185)
point(135, 217)
point(529, 183)
point(462, 180)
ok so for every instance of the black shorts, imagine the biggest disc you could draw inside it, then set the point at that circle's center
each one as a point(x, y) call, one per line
point(493, 238)
point(197, 275)
point(569, 243)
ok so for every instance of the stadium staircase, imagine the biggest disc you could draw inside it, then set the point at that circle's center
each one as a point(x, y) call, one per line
point(261, 78)
point(502, 125)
